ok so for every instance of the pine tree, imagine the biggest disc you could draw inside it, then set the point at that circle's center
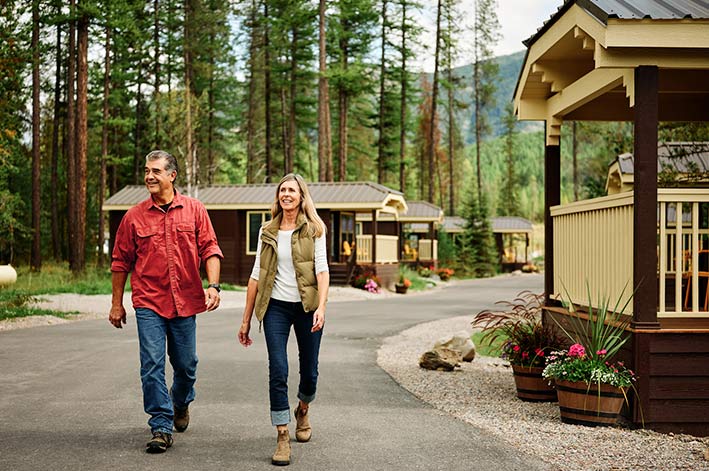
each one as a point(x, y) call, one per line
point(478, 254)
point(508, 204)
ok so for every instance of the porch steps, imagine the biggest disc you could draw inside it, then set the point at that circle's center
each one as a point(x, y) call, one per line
point(338, 274)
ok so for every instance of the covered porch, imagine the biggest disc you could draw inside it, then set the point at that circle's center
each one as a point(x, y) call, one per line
point(643, 62)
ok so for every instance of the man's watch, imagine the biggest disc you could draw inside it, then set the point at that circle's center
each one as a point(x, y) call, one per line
point(215, 286)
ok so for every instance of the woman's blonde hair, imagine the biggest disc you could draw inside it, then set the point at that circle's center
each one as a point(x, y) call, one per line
point(315, 225)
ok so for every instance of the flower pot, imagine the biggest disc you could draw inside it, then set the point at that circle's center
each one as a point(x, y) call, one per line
point(401, 289)
point(531, 387)
point(582, 404)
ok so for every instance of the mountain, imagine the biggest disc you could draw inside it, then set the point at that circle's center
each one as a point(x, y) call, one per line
point(509, 69)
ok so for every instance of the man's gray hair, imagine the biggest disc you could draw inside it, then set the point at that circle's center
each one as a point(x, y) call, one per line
point(171, 162)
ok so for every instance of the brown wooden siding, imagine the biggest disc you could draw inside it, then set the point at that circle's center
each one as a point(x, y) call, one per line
point(383, 228)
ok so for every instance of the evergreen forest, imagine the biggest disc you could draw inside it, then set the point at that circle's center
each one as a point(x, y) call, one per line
point(244, 91)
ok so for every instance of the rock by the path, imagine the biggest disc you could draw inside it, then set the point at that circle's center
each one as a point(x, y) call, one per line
point(441, 359)
point(460, 342)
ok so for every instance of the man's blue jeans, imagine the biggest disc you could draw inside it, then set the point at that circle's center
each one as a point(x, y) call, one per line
point(279, 318)
point(154, 332)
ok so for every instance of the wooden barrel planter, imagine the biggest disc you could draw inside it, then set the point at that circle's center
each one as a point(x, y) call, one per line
point(531, 386)
point(582, 404)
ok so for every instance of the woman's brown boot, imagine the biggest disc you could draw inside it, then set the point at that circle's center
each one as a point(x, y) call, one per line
point(303, 432)
point(281, 457)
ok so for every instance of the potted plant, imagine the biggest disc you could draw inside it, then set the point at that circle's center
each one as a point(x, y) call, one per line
point(592, 386)
point(403, 285)
point(526, 342)
point(445, 273)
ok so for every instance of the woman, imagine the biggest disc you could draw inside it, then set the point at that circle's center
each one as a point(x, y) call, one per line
point(288, 287)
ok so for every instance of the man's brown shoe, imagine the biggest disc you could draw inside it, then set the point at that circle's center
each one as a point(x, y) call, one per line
point(159, 443)
point(303, 432)
point(281, 457)
point(182, 419)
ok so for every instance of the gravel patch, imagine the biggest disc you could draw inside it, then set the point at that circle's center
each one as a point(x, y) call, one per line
point(482, 393)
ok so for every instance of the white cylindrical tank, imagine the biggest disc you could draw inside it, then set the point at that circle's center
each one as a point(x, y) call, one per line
point(8, 275)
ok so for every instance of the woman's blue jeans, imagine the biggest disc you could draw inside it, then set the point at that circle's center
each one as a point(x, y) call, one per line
point(279, 318)
point(154, 332)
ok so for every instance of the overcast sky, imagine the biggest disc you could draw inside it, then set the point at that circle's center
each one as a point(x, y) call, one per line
point(519, 19)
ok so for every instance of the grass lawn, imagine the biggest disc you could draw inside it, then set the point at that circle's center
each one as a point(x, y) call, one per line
point(483, 348)
point(54, 279)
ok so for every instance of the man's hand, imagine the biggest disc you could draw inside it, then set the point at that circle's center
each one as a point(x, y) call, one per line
point(213, 298)
point(117, 316)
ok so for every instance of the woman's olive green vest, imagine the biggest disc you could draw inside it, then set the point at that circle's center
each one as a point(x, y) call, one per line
point(303, 250)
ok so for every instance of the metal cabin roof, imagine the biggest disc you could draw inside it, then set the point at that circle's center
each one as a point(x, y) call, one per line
point(603, 10)
point(338, 195)
point(500, 224)
point(683, 157)
point(419, 212)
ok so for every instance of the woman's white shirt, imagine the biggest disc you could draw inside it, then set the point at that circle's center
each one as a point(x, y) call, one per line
point(285, 287)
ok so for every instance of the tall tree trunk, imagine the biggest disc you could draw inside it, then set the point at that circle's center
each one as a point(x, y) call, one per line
point(70, 138)
point(324, 138)
point(54, 182)
point(434, 101)
point(251, 107)
point(156, 65)
point(104, 144)
point(402, 120)
point(36, 261)
point(290, 163)
point(267, 91)
point(343, 112)
point(211, 165)
point(137, 130)
point(478, 124)
point(82, 81)
point(382, 75)
point(284, 127)
point(189, 138)
point(451, 140)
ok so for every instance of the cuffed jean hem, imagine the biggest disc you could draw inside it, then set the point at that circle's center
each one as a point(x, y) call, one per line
point(306, 398)
point(161, 429)
point(280, 417)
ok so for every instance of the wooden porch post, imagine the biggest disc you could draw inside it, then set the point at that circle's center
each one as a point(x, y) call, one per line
point(400, 243)
point(645, 199)
point(552, 197)
point(374, 236)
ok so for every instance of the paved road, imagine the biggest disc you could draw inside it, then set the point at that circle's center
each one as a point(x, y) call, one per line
point(70, 397)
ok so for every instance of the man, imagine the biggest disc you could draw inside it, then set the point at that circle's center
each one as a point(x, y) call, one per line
point(162, 241)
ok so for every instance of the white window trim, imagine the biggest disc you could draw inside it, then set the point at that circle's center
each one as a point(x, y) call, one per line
point(264, 215)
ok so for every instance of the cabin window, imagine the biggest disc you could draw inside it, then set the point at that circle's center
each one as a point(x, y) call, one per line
point(254, 221)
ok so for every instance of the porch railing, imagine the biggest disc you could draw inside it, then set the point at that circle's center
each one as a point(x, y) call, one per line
point(428, 249)
point(593, 243)
point(387, 248)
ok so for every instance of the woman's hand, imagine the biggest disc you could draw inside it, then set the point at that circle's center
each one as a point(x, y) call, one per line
point(243, 334)
point(318, 319)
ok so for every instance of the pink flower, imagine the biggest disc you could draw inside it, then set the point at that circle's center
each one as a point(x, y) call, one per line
point(601, 352)
point(539, 352)
point(516, 348)
point(525, 355)
point(577, 350)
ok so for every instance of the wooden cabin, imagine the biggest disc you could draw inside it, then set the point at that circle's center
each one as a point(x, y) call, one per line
point(679, 164)
point(644, 62)
point(416, 231)
point(238, 211)
point(512, 238)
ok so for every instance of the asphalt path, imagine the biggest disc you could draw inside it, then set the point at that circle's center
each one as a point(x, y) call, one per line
point(70, 396)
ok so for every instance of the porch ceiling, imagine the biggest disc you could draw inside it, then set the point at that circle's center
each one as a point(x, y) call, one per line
point(580, 64)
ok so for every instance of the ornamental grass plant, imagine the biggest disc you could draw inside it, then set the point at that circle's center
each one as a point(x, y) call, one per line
point(526, 341)
point(596, 343)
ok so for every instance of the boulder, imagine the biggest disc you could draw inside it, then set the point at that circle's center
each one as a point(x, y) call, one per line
point(442, 359)
point(460, 342)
